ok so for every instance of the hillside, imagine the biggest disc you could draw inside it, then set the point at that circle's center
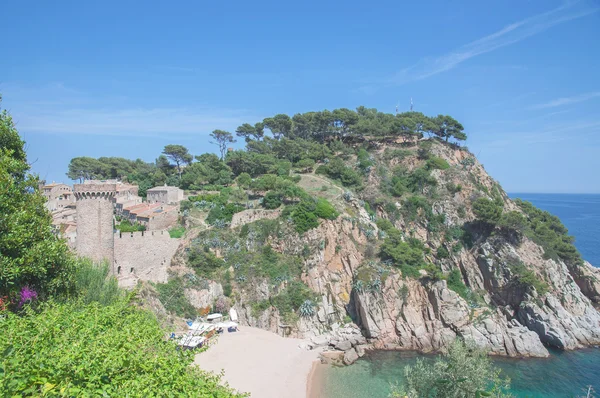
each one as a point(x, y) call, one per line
point(362, 219)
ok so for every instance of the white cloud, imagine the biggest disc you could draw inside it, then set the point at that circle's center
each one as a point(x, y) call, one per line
point(567, 100)
point(506, 36)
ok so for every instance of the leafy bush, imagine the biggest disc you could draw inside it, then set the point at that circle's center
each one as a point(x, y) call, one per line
point(384, 224)
point(513, 220)
point(223, 213)
point(399, 154)
point(324, 209)
point(177, 232)
point(289, 301)
point(306, 214)
point(416, 205)
point(435, 162)
point(547, 230)
point(453, 188)
point(305, 165)
point(92, 350)
point(227, 288)
point(172, 296)
point(455, 283)
point(203, 261)
point(337, 170)
point(93, 283)
point(127, 226)
point(406, 255)
point(528, 278)
point(442, 252)
point(244, 180)
point(488, 211)
point(30, 254)
point(464, 371)
point(272, 200)
point(304, 217)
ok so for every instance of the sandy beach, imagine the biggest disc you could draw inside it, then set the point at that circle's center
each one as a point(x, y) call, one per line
point(260, 362)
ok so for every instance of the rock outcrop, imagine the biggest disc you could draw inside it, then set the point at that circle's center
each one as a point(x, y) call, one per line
point(501, 313)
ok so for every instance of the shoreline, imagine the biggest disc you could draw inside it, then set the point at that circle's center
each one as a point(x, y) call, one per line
point(262, 363)
point(316, 379)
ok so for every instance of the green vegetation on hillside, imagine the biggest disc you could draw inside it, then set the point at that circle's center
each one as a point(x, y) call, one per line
point(71, 349)
point(549, 232)
point(67, 329)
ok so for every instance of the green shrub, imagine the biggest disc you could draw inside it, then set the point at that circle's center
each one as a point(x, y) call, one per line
point(487, 210)
point(415, 205)
point(223, 213)
point(527, 277)
point(442, 252)
point(399, 154)
point(409, 253)
point(272, 200)
point(227, 288)
point(172, 297)
point(93, 283)
point(177, 232)
point(384, 224)
point(435, 162)
point(337, 170)
point(453, 188)
point(513, 220)
point(90, 350)
point(304, 217)
point(244, 180)
point(547, 230)
point(305, 165)
point(464, 371)
point(203, 261)
point(324, 209)
point(127, 226)
point(455, 283)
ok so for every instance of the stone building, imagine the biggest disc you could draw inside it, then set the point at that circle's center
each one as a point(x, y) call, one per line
point(143, 256)
point(95, 232)
point(160, 218)
point(133, 256)
point(58, 195)
point(165, 194)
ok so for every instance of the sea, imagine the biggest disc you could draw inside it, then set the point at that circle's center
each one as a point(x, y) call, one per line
point(564, 374)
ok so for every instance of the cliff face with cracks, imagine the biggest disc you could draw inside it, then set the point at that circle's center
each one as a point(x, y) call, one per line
point(501, 312)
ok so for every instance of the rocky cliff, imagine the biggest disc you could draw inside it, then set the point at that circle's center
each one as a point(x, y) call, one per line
point(498, 284)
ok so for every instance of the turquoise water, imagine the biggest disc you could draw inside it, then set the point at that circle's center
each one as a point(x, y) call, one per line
point(564, 374)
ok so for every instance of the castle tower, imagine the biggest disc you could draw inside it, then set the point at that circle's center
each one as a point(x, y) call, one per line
point(94, 205)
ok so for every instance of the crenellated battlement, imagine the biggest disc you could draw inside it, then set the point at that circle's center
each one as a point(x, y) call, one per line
point(94, 191)
point(142, 234)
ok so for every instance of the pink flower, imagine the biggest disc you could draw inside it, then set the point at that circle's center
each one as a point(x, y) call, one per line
point(27, 294)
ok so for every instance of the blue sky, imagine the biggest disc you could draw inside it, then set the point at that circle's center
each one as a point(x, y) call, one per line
point(126, 78)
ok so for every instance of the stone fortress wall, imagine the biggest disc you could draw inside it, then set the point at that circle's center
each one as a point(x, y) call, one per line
point(134, 255)
point(95, 221)
point(143, 256)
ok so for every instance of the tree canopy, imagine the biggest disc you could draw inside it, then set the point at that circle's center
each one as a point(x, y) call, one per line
point(31, 256)
point(179, 155)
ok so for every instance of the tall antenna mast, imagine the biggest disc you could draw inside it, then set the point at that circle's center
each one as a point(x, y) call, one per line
point(411, 104)
point(397, 104)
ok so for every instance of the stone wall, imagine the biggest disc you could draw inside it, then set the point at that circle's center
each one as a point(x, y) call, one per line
point(143, 256)
point(248, 216)
point(164, 195)
point(158, 221)
point(95, 221)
